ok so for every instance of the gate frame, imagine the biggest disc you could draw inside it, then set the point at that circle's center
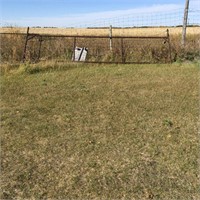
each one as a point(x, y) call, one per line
point(30, 36)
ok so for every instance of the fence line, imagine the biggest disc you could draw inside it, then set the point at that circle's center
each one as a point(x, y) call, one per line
point(172, 18)
point(130, 42)
point(125, 49)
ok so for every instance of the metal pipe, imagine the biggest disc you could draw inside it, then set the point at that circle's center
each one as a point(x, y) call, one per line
point(25, 46)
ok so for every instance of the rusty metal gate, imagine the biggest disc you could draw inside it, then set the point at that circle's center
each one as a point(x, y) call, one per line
point(100, 49)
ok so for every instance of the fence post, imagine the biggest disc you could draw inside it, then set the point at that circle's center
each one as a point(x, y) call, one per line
point(185, 23)
point(169, 43)
point(25, 45)
point(110, 35)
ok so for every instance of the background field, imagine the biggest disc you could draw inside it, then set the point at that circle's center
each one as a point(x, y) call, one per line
point(105, 31)
point(100, 132)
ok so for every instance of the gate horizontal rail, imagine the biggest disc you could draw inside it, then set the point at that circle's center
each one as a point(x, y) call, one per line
point(87, 36)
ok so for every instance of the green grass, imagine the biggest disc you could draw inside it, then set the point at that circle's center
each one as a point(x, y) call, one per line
point(101, 132)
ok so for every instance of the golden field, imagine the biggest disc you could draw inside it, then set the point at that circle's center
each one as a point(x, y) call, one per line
point(152, 31)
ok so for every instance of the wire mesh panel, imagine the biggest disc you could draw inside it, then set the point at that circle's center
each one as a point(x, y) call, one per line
point(49, 48)
point(146, 50)
point(98, 48)
point(126, 49)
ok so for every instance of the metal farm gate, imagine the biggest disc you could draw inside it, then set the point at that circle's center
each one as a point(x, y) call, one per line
point(97, 49)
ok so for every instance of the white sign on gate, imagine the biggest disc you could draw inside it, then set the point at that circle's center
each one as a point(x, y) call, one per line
point(80, 54)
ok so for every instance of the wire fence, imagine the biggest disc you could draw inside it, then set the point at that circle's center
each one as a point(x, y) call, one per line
point(149, 19)
point(134, 38)
point(130, 24)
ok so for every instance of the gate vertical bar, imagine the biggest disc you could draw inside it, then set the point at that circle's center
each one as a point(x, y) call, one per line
point(25, 45)
point(74, 47)
point(110, 36)
point(122, 50)
point(40, 45)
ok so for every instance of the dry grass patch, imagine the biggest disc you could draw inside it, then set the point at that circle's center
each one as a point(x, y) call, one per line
point(101, 132)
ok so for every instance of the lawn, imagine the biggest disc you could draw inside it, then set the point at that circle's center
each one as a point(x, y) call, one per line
point(101, 132)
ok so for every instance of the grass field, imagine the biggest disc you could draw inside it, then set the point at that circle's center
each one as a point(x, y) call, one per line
point(152, 31)
point(101, 132)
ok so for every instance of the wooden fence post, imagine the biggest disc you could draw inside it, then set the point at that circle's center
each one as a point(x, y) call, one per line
point(185, 23)
point(169, 43)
